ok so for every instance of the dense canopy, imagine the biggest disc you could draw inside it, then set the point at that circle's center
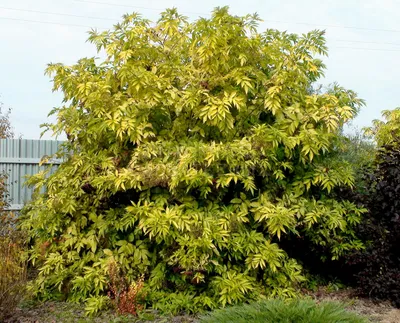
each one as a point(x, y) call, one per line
point(193, 149)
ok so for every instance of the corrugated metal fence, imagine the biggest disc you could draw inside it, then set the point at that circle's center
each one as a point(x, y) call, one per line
point(21, 157)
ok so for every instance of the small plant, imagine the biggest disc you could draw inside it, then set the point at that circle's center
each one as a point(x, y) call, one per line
point(126, 297)
point(12, 261)
point(275, 311)
point(185, 302)
point(12, 266)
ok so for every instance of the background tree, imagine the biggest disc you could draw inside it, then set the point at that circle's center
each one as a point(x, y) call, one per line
point(386, 132)
point(5, 132)
point(193, 149)
point(5, 124)
point(12, 261)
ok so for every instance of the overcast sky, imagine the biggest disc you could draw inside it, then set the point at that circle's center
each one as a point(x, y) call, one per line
point(364, 58)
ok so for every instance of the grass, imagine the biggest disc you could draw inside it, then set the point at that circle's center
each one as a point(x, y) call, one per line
point(277, 311)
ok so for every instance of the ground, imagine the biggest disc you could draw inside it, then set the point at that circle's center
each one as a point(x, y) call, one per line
point(61, 312)
point(382, 312)
point(55, 312)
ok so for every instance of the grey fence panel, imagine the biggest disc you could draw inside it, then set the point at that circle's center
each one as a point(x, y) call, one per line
point(19, 158)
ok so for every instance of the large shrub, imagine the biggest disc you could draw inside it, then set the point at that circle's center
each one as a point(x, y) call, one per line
point(193, 148)
point(377, 268)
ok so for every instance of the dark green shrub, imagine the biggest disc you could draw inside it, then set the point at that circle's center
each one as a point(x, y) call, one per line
point(276, 311)
point(377, 269)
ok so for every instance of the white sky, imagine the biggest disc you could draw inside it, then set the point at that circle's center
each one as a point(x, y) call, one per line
point(371, 69)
